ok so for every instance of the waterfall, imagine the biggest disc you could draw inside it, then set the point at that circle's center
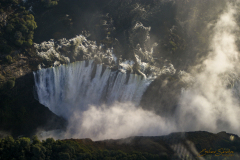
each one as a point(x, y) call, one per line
point(73, 87)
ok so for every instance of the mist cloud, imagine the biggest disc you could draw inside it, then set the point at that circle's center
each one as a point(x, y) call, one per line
point(119, 121)
point(209, 104)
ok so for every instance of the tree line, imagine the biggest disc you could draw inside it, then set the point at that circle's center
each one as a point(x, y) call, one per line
point(33, 149)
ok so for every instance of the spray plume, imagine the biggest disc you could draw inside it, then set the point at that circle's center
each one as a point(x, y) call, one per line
point(209, 104)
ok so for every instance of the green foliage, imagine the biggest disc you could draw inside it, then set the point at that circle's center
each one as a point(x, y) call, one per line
point(18, 35)
point(14, 2)
point(29, 17)
point(30, 35)
point(19, 29)
point(24, 29)
point(8, 59)
point(19, 42)
point(63, 156)
point(23, 148)
point(9, 28)
point(35, 140)
point(50, 141)
point(10, 84)
point(31, 24)
point(38, 151)
point(172, 43)
point(49, 3)
point(28, 42)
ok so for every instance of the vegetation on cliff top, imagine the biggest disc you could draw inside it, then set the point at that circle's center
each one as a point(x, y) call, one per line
point(132, 148)
point(26, 148)
point(17, 26)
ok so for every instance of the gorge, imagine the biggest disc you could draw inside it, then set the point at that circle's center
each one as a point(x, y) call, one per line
point(101, 99)
point(152, 75)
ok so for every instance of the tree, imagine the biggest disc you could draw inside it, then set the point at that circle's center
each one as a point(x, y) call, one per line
point(39, 151)
point(10, 84)
point(19, 42)
point(28, 42)
point(49, 3)
point(9, 28)
point(35, 140)
point(8, 59)
point(18, 35)
point(30, 35)
point(24, 29)
point(31, 24)
point(29, 17)
point(63, 156)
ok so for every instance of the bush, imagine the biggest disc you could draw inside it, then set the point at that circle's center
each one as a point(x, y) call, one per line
point(24, 29)
point(18, 35)
point(20, 28)
point(30, 35)
point(14, 2)
point(23, 148)
point(19, 42)
point(35, 140)
point(10, 84)
point(9, 28)
point(28, 43)
point(30, 17)
point(31, 24)
point(64, 156)
point(8, 59)
point(50, 3)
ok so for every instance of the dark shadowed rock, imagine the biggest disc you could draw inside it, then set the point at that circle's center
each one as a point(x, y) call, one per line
point(162, 95)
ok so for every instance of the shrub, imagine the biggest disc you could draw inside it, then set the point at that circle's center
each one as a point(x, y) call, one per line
point(24, 29)
point(35, 140)
point(9, 28)
point(30, 17)
point(50, 3)
point(31, 24)
point(8, 59)
point(19, 42)
point(30, 35)
point(10, 84)
point(64, 156)
point(28, 43)
point(18, 35)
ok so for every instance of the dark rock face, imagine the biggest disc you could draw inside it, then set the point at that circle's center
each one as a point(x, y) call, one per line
point(162, 95)
point(21, 114)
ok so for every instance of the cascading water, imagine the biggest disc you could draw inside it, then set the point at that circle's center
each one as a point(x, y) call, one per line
point(97, 102)
point(69, 88)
